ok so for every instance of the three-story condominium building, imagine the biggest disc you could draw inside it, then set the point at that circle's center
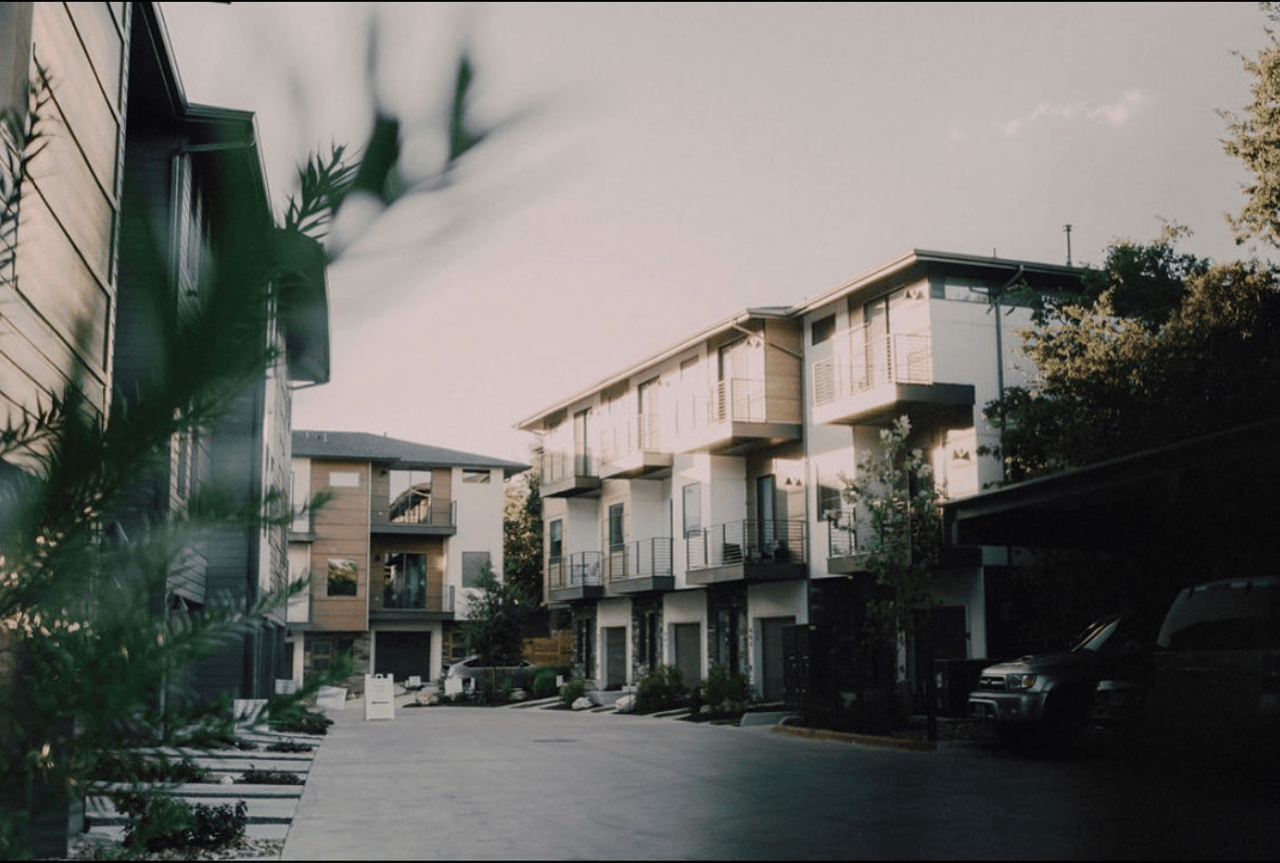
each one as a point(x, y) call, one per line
point(692, 501)
point(394, 552)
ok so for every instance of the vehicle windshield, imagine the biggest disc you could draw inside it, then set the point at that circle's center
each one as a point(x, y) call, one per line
point(1094, 637)
point(1224, 616)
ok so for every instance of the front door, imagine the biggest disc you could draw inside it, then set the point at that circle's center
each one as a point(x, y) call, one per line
point(615, 657)
point(687, 641)
point(773, 661)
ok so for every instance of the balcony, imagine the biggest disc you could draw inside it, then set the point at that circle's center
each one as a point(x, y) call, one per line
point(749, 550)
point(850, 541)
point(422, 516)
point(574, 576)
point(414, 602)
point(568, 474)
point(635, 450)
point(640, 566)
point(874, 378)
point(741, 415)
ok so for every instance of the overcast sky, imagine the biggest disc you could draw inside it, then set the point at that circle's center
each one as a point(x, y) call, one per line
point(667, 165)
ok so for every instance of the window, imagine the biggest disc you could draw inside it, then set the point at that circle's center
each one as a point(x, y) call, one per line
point(410, 497)
point(477, 476)
point(823, 330)
point(616, 536)
point(555, 539)
point(321, 653)
point(474, 564)
point(692, 508)
point(830, 499)
point(344, 479)
point(343, 576)
point(404, 580)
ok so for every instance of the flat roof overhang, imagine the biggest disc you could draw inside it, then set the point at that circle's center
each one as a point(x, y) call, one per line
point(1218, 488)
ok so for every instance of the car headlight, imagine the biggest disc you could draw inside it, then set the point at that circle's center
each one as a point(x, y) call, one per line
point(1018, 682)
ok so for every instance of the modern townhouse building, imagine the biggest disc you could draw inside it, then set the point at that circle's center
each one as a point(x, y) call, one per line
point(692, 501)
point(393, 554)
point(124, 213)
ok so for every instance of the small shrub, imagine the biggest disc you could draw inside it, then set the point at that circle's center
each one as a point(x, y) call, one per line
point(573, 690)
point(135, 767)
point(544, 683)
point(157, 822)
point(725, 689)
point(254, 776)
point(661, 689)
point(289, 746)
point(300, 720)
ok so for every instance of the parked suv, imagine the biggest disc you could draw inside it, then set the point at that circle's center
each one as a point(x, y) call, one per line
point(1217, 668)
point(1050, 696)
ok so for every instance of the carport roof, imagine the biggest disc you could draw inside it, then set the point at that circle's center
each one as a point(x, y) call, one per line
point(1200, 485)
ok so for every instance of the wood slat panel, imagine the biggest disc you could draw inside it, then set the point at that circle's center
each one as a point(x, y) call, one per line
point(89, 117)
point(101, 37)
point(55, 280)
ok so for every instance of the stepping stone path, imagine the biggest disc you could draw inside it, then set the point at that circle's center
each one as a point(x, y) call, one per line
point(271, 807)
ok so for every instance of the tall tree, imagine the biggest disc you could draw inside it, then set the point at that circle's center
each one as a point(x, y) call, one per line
point(894, 494)
point(522, 532)
point(1254, 138)
point(1196, 349)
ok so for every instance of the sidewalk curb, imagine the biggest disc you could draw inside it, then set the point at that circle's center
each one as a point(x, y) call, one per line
point(865, 739)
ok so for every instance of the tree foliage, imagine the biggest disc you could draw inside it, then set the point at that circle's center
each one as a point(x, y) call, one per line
point(1160, 347)
point(496, 616)
point(522, 532)
point(1254, 139)
point(894, 493)
point(89, 641)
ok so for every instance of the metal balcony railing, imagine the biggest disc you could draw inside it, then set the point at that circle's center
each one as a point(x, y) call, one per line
point(579, 569)
point(870, 361)
point(560, 465)
point(748, 541)
point(416, 598)
point(424, 510)
point(639, 434)
point(645, 558)
point(737, 400)
point(847, 536)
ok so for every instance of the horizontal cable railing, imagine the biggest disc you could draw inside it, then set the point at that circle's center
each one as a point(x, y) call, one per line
point(644, 558)
point(427, 511)
point(638, 434)
point(560, 465)
point(747, 541)
point(416, 598)
point(870, 361)
point(579, 569)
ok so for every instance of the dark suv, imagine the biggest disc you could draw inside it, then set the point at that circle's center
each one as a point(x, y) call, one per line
point(1050, 696)
point(1217, 668)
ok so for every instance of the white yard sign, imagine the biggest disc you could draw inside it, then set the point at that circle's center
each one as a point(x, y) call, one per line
point(379, 697)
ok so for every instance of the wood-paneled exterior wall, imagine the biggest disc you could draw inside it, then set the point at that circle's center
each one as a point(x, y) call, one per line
point(342, 531)
point(58, 302)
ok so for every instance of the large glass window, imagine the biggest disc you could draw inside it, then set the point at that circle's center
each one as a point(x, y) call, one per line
point(616, 536)
point(344, 573)
point(555, 539)
point(404, 580)
point(692, 508)
point(410, 497)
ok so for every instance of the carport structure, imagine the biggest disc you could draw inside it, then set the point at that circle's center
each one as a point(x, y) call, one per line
point(1205, 505)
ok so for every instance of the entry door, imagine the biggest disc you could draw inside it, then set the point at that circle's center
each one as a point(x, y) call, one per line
point(403, 654)
point(773, 659)
point(687, 640)
point(615, 657)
